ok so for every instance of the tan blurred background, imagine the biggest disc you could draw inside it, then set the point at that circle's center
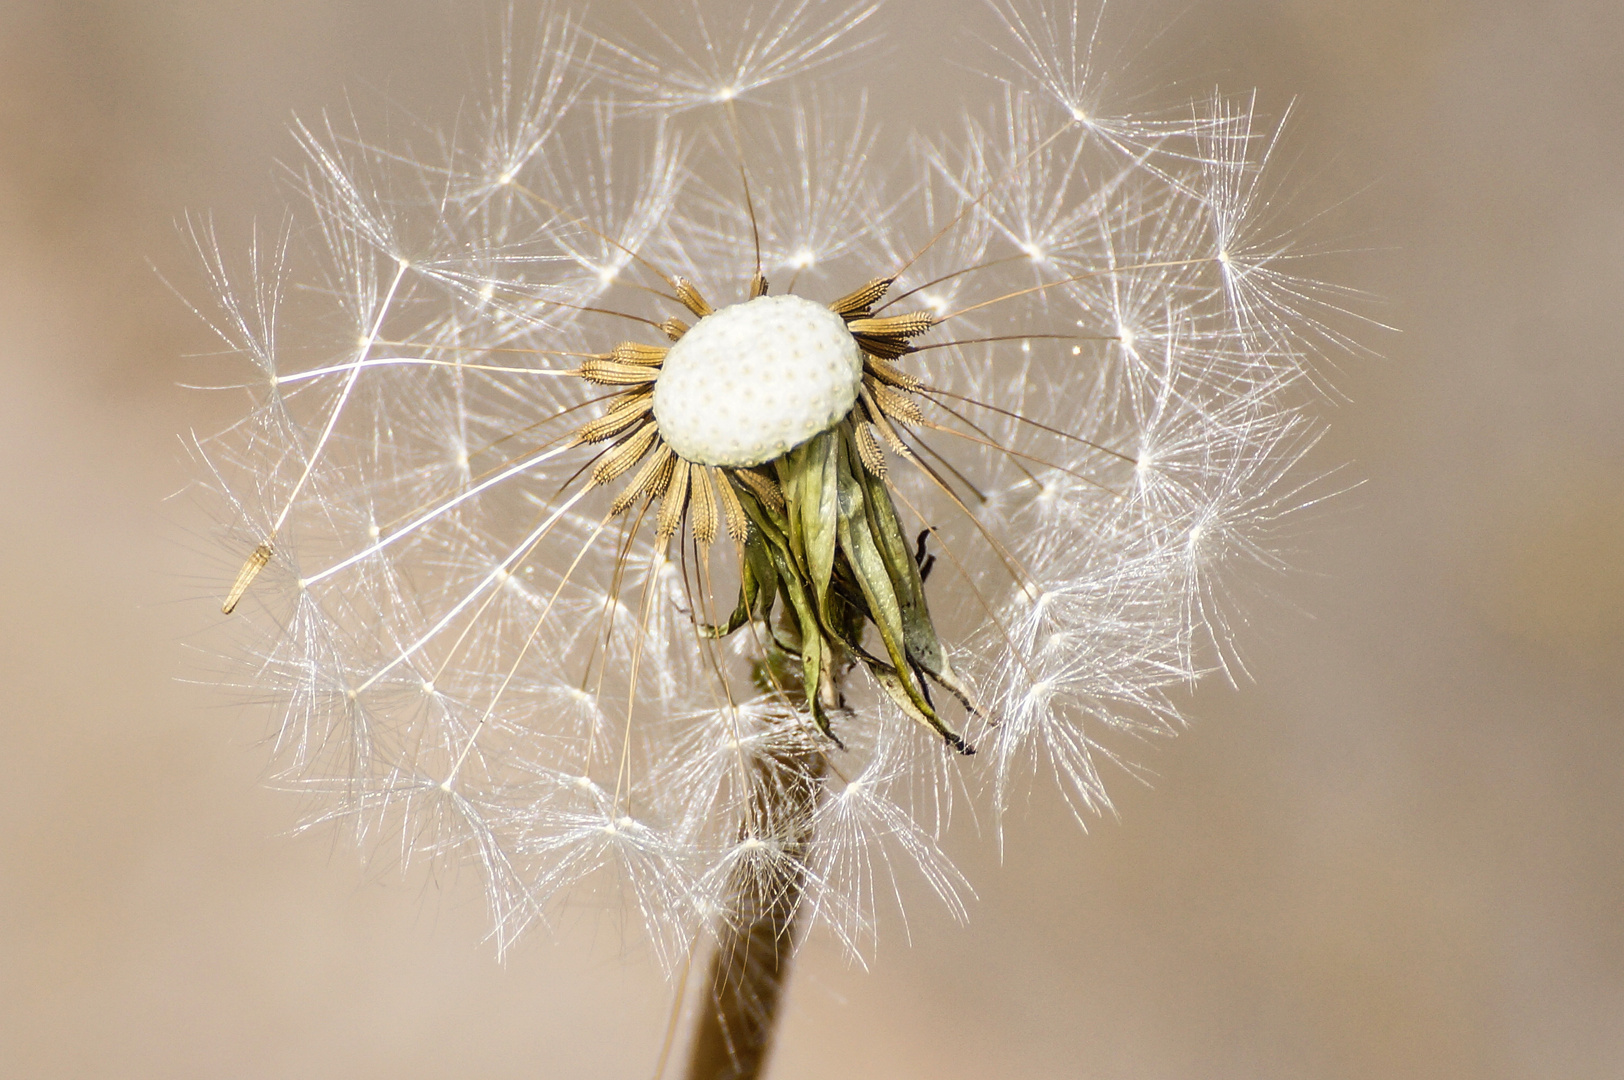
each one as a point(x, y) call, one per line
point(1399, 854)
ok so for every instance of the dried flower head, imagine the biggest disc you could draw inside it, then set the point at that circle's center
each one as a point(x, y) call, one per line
point(672, 486)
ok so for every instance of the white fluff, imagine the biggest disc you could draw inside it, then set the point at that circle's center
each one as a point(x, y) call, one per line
point(756, 379)
point(469, 660)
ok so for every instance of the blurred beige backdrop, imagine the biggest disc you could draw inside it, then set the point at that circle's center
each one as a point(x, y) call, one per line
point(1399, 854)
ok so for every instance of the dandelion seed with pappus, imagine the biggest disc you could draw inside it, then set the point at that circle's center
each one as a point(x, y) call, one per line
point(682, 490)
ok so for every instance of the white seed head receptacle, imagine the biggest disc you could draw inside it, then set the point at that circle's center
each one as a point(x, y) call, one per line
point(755, 380)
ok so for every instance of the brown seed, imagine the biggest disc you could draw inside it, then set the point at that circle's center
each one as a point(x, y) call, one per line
point(650, 481)
point(893, 402)
point(626, 454)
point(676, 498)
point(892, 439)
point(690, 298)
point(620, 417)
point(738, 525)
point(702, 519)
point(868, 449)
point(615, 373)
point(635, 352)
point(892, 375)
point(859, 300)
point(245, 577)
point(762, 487)
point(893, 326)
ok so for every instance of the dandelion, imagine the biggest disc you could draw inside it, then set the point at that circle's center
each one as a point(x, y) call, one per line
point(682, 491)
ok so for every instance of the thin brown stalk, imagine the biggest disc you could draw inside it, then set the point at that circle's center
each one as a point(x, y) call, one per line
point(740, 1002)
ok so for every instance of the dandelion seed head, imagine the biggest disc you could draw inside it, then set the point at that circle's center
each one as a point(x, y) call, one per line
point(571, 447)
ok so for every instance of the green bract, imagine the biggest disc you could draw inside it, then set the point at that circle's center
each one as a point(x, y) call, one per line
point(836, 554)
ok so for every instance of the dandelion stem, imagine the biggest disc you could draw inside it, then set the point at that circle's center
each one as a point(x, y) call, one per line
point(757, 933)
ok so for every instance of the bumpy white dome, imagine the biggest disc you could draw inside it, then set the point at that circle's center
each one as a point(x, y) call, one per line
point(756, 379)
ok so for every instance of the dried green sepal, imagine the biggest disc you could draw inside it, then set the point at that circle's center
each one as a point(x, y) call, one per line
point(807, 476)
point(835, 552)
point(871, 539)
